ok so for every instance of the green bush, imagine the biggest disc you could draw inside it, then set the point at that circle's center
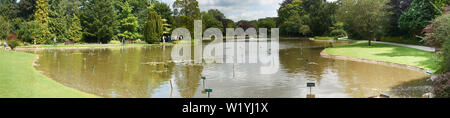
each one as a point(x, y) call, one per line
point(402, 40)
point(444, 61)
point(13, 44)
point(139, 41)
point(339, 33)
point(114, 42)
point(439, 32)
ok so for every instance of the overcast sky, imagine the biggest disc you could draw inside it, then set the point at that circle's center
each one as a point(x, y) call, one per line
point(240, 9)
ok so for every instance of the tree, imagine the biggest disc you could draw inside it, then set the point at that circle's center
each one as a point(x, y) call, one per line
point(75, 31)
point(398, 7)
point(320, 14)
point(163, 10)
point(29, 31)
point(364, 18)
point(185, 12)
point(99, 21)
point(5, 27)
point(438, 32)
point(267, 23)
point(129, 23)
point(26, 9)
point(219, 16)
point(187, 8)
point(244, 24)
point(290, 8)
point(417, 17)
point(305, 30)
point(9, 8)
point(209, 21)
point(284, 3)
point(291, 26)
point(338, 30)
point(59, 19)
point(41, 17)
point(228, 23)
point(153, 29)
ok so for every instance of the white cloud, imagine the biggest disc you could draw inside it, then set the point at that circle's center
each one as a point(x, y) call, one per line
point(241, 9)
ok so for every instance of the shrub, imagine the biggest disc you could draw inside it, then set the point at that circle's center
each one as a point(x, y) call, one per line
point(305, 30)
point(437, 32)
point(114, 42)
point(13, 44)
point(444, 60)
point(441, 86)
point(339, 33)
point(139, 41)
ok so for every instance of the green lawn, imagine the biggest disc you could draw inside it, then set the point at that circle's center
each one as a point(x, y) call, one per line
point(387, 53)
point(19, 79)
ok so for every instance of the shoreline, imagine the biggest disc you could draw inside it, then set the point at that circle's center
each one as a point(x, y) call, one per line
point(326, 55)
point(90, 47)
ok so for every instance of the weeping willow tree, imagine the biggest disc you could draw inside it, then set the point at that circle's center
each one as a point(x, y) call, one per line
point(154, 27)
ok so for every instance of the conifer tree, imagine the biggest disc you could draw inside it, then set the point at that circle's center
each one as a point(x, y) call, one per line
point(129, 23)
point(75, 33)
point(41, 18)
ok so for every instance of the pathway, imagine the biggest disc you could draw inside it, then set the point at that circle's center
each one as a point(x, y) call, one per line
point(425, 48)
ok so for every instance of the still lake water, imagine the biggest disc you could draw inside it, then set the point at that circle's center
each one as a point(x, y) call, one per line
point(140, 72)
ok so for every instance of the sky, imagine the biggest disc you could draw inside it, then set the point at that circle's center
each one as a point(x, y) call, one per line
point(240, 9)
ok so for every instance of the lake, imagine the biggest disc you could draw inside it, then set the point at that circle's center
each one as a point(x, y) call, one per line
point(149, 72)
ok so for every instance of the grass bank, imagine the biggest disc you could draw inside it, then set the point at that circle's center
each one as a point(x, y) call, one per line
point(387, 53)
point(19, 79)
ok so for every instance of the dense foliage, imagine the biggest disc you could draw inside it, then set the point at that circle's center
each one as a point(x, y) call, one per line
point(99, 21)
point(153, 27)
point(41, 18)
point(398, 8)
point(75, 31)
point(439, 35)
point(13, 44)
point(209, 21)
point(364, 19)
point(128, 23)
point(5, 27)
point(417, 17)
point(438, 32)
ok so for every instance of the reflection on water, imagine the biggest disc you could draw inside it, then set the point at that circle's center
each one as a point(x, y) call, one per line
point(149, 72)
